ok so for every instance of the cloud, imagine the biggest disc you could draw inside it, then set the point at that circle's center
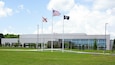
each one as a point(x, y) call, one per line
point(103, 4)
point(28, 11)
point(111, 11)
point(61, 4)
point(5, 11)
point(9, 29)
point(83, 19)
point(21, 8)
point(44, 31)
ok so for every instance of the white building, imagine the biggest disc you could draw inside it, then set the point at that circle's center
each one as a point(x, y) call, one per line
point(77, 39)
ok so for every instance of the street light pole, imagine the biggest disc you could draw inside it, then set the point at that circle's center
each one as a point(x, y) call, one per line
point(105, 36)
point(37, 37)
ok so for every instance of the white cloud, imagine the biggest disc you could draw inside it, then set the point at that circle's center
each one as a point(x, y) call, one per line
point(5, 31)
point(46, 29)
point(85, 20)
point(61, 4)
point(1, 4)
point(4, 11)
point(88, 0)
point(103, 4)
point(28, 11)
point(9, 29)
point(22, 8)
point(111, 11)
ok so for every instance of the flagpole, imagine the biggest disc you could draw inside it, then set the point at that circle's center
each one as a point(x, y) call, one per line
point(37, 37)
point(54, 13)
point(42, 38)
point(63, 37)
point(52, 36)
point(64, 17)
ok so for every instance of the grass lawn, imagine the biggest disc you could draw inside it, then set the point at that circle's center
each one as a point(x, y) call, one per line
point(53, 58)
point(97, 51)
point(15, 48)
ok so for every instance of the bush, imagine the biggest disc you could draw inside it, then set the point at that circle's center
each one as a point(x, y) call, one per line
point(113, 48)
point(95, 45)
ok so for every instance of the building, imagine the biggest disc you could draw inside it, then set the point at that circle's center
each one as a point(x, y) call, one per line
point(78, 39)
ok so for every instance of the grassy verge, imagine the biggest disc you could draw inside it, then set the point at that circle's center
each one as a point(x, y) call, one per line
point(15, 48)
point(53, 58)
point(97, 51)
point(85, 50)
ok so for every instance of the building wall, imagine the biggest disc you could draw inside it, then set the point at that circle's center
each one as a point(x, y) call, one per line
point(111, 43)
point(44, 38)
point(48, 37)
point(9, 40)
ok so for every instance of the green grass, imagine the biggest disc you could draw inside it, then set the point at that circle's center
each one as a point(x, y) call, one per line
point(97, 51)
point(53, 58)
point(15, 48)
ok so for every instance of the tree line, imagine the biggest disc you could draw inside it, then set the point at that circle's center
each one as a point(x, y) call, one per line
point(8, 35)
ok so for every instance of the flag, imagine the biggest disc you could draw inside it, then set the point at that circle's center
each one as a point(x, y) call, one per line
point(44, 19)
point(56, 13)
point(66, 17)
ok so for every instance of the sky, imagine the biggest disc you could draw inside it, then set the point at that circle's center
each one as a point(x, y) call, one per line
point(86, 16)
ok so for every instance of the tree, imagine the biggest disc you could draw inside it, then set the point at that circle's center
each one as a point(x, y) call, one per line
point(1, 36)
point(113, 48)
point(48, 44)
point(66, 45)
point(39, 45)
point(83, 47)
point(11, 36)
point(95, 45)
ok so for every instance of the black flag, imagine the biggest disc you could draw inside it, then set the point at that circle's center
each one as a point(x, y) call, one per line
point(66, 17)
